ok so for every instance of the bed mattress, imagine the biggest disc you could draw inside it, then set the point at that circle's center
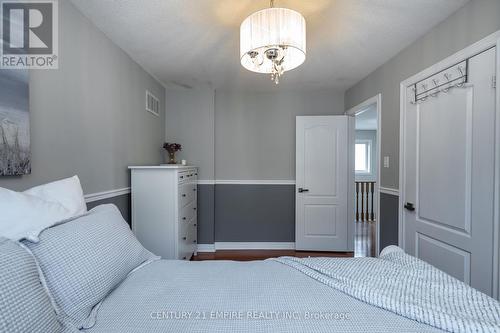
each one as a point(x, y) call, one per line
point(228, 296)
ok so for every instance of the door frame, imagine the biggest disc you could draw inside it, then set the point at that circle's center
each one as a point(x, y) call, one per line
point(352, 112)
point(484, 44)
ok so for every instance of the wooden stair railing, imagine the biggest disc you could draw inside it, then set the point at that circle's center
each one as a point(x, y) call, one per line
point(365, 192)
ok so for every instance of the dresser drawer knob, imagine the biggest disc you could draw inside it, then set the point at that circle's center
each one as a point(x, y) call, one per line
point(194, 208)
point(196, 174)
point(195, 224)
point(183, 238)
point(182, 177)
point(194, 190)
point(194, 241)
point(184, 258)
point(183, 195)
point(184, 218)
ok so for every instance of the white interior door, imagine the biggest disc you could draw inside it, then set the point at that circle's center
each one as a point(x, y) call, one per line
point(322, 183)
point(449, 177)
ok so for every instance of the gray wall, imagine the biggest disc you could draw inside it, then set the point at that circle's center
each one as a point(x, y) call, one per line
point(206, 214)
point(255, 213)
point(88, 117)
point(475, 20)
point(389, 217)
point(242, 135)
point(255, 131)
point(190, 122)
point(123, 202)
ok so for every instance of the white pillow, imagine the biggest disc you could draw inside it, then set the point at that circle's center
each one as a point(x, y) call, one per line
point(67, 192)
point(25, 216)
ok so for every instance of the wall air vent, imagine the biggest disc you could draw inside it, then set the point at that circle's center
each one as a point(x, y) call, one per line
point(152, 103)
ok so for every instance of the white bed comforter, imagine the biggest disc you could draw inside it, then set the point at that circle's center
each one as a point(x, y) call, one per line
point(407, 286)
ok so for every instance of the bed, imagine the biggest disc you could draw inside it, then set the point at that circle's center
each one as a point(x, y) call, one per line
point(90, 274)
point(226, 296)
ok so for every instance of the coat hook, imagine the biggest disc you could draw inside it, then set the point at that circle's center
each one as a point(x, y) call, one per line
point(436, 84)
point(448, 78)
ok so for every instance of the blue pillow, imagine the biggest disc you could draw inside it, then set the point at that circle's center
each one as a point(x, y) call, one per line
point(84, 259)
point(24, 303)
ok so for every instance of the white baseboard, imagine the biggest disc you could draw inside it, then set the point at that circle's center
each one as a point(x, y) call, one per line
point(246, 182)
point(246, 246)
point(206, 248)
point(254, 245)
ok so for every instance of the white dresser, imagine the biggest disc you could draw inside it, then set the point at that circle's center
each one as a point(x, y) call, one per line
point(164, 209)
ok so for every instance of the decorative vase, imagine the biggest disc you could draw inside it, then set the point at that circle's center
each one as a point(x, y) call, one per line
point(171, 157)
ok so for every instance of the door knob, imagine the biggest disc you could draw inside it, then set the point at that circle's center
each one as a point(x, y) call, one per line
point(303, 190)
point(409, 206)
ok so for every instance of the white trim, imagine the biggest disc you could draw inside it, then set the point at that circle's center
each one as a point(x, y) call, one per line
point(206, 182)
point(255, 245)
point(402, 142)
point(476, 48)
point(91, 197)
point(496, 209)
point(389, 190)
point(352, 112)
point(360, 108)
point(246, 182)
point(256, 182)
point(205, 248)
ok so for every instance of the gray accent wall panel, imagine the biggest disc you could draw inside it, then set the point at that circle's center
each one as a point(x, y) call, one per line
point(389, 217)
point(476, 20)
point(88, 117)
point(206, 214)
point(123, 203)
point(255, 213)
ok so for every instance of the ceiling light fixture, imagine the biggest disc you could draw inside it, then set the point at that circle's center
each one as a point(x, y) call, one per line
point(273, 41)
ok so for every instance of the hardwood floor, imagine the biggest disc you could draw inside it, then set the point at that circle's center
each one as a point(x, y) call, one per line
point(247, 255)
point(364, 246)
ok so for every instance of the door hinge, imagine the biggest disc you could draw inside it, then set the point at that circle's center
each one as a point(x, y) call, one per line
point(494, 81)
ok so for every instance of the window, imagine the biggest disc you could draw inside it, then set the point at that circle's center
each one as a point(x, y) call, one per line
point(363, 155)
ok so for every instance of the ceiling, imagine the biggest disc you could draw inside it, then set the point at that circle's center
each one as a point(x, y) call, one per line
point(367, 119)
point(193, 42)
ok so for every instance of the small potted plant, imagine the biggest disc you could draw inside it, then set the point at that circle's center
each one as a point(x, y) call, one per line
point(171, 149)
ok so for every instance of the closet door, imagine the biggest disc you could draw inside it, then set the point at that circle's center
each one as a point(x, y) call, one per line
point(449, 177)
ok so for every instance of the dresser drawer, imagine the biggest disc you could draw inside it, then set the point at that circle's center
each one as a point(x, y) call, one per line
point(187, 212)
point(187, 193)
point(189, 175)
point(193, 233)
point(187, 239)
point(182, 176)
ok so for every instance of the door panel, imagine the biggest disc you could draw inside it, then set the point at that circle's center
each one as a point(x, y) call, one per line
point(450, 259)
point(449, 176)
point(444, 132)
point(319, 161)
point(319, 217)
point(322, 170)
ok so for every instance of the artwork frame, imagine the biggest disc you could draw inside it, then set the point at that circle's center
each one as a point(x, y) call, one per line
point(15, 140)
